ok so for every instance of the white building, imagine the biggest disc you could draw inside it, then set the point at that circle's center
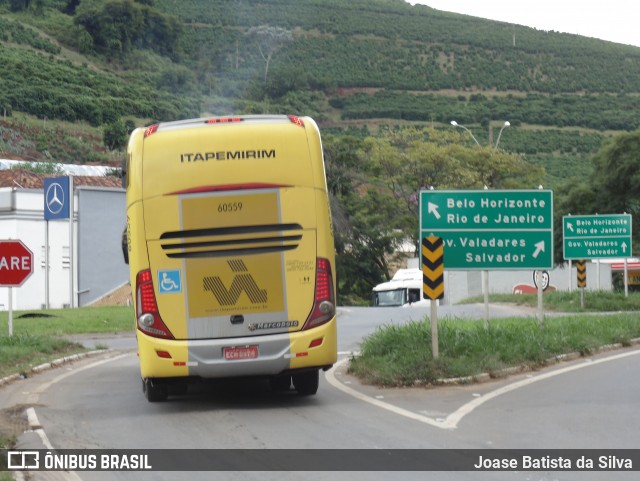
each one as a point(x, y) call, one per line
point(94, 268)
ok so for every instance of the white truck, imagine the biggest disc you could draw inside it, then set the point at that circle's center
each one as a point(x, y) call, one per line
point(405, 289)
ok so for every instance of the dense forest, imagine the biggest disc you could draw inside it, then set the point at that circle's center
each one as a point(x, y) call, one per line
point(379, 76)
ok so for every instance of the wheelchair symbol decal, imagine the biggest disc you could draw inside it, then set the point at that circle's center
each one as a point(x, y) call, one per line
point(169, 281)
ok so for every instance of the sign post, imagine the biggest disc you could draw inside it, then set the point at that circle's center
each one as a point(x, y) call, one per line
point(16, 265)
point(581, 274)
point(433, 282)
point(58, 205)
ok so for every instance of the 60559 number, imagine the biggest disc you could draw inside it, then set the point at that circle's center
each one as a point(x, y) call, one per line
point(230, 207)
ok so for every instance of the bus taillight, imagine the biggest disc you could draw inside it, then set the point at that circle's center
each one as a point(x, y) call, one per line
point(151, 130)
point(324, 306)
point(147, 313)
point(296, 120)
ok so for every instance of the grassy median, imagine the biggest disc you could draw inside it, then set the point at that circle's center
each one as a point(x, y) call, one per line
point(402, 356)
point(564, 301)
point(42, 335)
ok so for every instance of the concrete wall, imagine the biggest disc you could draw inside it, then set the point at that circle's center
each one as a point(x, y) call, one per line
point(101, 219)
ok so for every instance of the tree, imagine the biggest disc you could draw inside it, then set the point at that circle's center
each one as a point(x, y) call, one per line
point(408, 160)
point(374, 185)
point(360, 216)
point(270, 40)
point(117, 26)
point(617, 173)
point(71, 6)
point(115, 135)
point(341, 164)
point(612, 188)
point(575, 197)
point(365, 244)
point(19, 5)
point(113, 25)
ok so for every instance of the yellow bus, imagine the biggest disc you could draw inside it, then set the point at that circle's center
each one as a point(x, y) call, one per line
point(231, 252)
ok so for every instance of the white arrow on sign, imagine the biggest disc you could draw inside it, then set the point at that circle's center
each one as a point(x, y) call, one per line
point(570, 226)
point(624, 247)
point(433, 209)
point(539, 248)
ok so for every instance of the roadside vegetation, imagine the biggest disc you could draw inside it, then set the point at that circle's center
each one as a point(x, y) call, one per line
point(43, 335)
point(564, 301)
point(402, 356)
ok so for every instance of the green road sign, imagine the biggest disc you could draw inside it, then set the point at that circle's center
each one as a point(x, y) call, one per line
point(490, 229)
point(596, 236)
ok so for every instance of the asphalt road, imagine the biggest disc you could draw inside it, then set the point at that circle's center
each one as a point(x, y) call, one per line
point(98, 403)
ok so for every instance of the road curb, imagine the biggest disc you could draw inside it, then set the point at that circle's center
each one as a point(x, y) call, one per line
point(485, 376)
point(52, 364)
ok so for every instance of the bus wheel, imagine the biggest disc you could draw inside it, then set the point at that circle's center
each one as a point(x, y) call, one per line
point(306, 383)
point(280, 383)
point(154, 392)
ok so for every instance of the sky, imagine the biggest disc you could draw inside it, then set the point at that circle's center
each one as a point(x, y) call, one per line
point(613, 20)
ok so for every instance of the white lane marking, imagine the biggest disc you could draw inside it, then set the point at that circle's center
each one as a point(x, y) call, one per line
point(452, 420)
point(34, 422)
point(35, 426)
point(330, 376)
point(457, 416)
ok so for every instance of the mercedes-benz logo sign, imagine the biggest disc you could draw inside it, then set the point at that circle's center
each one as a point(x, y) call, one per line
point(55, 198)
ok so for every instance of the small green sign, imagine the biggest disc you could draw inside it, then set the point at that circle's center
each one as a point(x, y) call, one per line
point(491, 229)
point(596, 236)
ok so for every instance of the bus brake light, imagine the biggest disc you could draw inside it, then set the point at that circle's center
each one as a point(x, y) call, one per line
point(324, 306)
point(147, 313)
point(150, 130)
point(296, 120)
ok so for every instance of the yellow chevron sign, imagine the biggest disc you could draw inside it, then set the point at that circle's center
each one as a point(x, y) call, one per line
point(581, 268)
point(433, 267)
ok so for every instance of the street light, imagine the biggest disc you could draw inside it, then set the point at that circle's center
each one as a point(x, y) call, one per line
point(456, 124)
point(506, 124)
point(485, 273)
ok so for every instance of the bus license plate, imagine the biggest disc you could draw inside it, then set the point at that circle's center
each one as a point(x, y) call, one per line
point(239, 353)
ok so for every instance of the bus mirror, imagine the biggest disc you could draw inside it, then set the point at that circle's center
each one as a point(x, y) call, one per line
point(123, 173)
point(125, 245)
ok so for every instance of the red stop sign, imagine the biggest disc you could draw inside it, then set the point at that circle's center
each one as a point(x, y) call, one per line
point(16, 263)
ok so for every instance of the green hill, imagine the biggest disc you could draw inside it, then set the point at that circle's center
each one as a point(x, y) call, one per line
point(79, 74)
point(349, 63)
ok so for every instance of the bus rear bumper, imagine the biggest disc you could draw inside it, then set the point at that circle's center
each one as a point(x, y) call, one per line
point(266, 355)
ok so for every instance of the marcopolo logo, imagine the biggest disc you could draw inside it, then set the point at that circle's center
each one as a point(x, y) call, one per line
point(242, 282)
